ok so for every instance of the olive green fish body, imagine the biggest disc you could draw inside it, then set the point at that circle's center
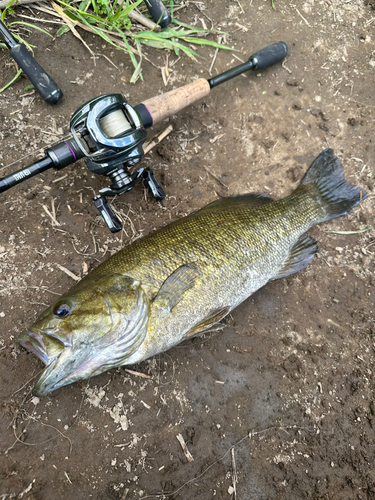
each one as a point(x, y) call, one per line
point(184, 278)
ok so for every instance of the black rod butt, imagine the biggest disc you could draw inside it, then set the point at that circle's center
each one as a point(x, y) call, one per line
point(269, 55)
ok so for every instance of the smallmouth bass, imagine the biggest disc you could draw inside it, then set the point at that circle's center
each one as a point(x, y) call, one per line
point(183, 279)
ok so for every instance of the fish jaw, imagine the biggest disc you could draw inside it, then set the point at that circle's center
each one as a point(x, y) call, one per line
point(65, 369)
point(53, 376)
point(44, 345)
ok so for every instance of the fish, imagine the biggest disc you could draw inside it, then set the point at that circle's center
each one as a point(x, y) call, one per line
point(183, 279)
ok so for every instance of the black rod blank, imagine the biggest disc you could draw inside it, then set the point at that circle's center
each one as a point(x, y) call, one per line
point(260, 60)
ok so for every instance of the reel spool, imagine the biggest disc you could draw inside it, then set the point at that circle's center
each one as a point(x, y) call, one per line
point(115, 123)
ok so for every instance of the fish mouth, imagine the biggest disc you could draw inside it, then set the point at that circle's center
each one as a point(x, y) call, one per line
point(49, 379)
point(46, 345)
point(62, 370)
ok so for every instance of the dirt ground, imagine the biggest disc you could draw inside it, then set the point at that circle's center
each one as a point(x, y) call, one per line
point(280, 404)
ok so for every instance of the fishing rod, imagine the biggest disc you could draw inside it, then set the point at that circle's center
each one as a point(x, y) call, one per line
point(43, 83)
point(158, 12)
point(110, 133)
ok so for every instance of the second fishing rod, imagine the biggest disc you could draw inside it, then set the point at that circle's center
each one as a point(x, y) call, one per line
point(110, 133)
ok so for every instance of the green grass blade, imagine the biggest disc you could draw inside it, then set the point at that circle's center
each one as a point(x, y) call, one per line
point(138, 70)
point(62, 30)
point(155, 44)
point(131, 7)
point(132, 56)
point(94, 6)
point(12, 81)
point(84, 5)
point(352, 232)
point(169, 44)
point(203, 41)
point(31, 26)
point(170, 33)
point(184, 25)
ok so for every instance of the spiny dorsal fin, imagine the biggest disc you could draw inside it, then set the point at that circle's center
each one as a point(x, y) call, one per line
point(301, 254)
point(244, 201)
point(209, 322)
point(174, 287)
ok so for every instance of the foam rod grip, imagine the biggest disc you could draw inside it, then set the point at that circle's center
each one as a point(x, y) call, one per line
point(42, 82)
point(269, 55)
point(165, 105)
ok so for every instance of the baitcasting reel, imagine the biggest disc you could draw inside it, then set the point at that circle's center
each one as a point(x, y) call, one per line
point(110, 133)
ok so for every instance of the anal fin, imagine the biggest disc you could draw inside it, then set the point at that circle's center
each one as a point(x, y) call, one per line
point(301, 254)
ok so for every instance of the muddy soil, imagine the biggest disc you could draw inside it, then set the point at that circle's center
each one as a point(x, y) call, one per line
point(278, 405)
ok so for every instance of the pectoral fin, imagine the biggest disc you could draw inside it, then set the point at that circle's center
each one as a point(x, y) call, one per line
point(210, 322)
point(301, 254)
point(176, 285)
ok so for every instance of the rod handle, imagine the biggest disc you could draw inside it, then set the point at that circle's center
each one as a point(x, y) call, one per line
point(43, 83)
point(165, 105)
point(269, 55)
point(158, 12)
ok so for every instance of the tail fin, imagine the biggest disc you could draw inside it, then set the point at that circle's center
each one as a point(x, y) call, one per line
point(325, 177)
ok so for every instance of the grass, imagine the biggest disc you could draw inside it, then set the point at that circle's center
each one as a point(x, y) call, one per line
point(359, 231)
point(111, 20)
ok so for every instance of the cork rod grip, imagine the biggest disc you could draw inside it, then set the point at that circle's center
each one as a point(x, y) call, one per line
point(164, 105)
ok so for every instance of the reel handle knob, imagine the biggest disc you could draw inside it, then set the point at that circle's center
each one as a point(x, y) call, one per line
point(112, 221)
point(153, 184)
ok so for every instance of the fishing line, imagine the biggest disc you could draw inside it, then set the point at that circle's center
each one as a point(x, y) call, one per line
point(34, 152)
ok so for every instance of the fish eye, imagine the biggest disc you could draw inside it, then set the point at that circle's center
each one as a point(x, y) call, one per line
point(61, 310)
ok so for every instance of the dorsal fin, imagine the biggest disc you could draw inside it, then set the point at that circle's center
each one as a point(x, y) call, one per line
point(244, 201)
point(301, 254)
